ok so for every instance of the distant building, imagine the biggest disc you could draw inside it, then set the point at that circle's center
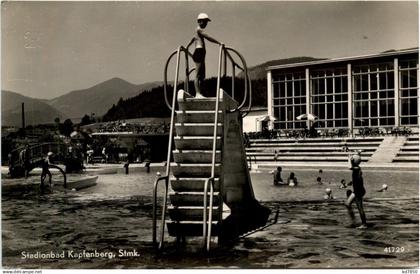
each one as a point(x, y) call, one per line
point(379, 90)
point(254, 121)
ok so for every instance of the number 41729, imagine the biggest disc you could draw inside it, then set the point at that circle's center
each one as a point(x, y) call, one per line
point(394, 249)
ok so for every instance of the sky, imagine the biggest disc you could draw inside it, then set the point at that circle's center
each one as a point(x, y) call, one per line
point(51, 48)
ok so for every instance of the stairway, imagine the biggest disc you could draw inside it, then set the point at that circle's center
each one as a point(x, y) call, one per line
point(192, 166)
point(409, 152)
point(310, 149)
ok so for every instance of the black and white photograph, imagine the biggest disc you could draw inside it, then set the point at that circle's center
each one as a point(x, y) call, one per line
point(209, 135)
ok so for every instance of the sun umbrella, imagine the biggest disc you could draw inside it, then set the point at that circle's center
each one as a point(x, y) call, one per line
point(307, 116)
point(267, 118)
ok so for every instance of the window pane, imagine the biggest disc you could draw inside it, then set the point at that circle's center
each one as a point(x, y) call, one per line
point(390, 105)
point(390, 80)
point(413, 78)
point(374, 81)
point(404, 79)
point(289, 89)
point(364, 80)
point(374, 109)
point(374, 95)
point(330, 111)
point(365, 110)
point(344, 107)
point(321, 111)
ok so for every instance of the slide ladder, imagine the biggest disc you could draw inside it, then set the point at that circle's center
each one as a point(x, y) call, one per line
point(209, 176)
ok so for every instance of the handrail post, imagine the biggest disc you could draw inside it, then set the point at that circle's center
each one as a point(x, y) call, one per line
point(165, 200)
point(210, 212)
point(154, 227)
point(205, 213)
point(187, 74)
point(171, 131)
point(207, 230)
point(207, 222)
point(233, 80)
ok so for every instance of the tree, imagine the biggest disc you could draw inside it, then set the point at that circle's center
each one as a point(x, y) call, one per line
point(67, 128)
point(85, 120)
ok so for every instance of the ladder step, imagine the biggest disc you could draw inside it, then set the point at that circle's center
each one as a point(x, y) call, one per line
point(198, 116)
point(192, 198)
point(199, 104)
point(194, 170)
point(190, 228)
point(197, 142)
point(191, 184)
point(191, 213)
point(196, 156)
point(197, 129)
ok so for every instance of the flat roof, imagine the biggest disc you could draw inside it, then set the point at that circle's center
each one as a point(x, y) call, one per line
point(344, 59)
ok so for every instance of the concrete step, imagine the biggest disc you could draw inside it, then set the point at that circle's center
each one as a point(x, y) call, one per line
point(197, 142)
point(409, 148)
point(192, 198)
point(196, 156)
point(199, 104)
point(192, 184)
point(198, 116)
point(304, 153)
point(306, 149)
point(194, 170)
point(408, 144)
point(197, 129)
point(191, 213)
point(407, 159)
point(190, 228)
point(318, 140)
point(408, 153)
point(305, 158)
point(325, 144)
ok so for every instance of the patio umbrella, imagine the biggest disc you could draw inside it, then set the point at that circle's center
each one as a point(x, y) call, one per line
point(307, 116)
point(267, 118)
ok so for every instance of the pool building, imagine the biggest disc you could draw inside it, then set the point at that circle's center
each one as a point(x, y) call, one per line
point(378, 90)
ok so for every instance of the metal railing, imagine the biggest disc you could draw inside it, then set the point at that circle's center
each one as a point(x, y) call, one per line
point(168, 159)
point(224, 53)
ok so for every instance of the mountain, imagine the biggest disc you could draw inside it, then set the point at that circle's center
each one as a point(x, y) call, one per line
point(259, 71)
point(97, 99)
point(36, 110)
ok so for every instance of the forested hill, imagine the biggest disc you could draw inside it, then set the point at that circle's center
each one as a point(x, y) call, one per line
point(151, 103)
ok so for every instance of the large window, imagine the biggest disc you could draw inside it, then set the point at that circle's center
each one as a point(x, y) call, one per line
point(408, 92)
point(289, 100)
point(373, 95)
point(329, 97)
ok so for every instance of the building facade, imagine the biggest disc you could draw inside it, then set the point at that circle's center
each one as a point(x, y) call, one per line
point(378, 90)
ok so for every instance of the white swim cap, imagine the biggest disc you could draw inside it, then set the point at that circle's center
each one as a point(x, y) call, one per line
point(203, 16)
point(356, 159)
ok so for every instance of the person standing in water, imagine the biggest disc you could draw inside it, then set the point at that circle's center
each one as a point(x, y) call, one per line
point(358, 191)
point(45, 170)
point(199, 54)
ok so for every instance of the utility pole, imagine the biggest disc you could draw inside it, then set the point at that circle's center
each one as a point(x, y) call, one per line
point(23, 117)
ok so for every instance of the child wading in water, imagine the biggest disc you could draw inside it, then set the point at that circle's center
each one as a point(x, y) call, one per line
point(358, 191)
point(199, 54)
